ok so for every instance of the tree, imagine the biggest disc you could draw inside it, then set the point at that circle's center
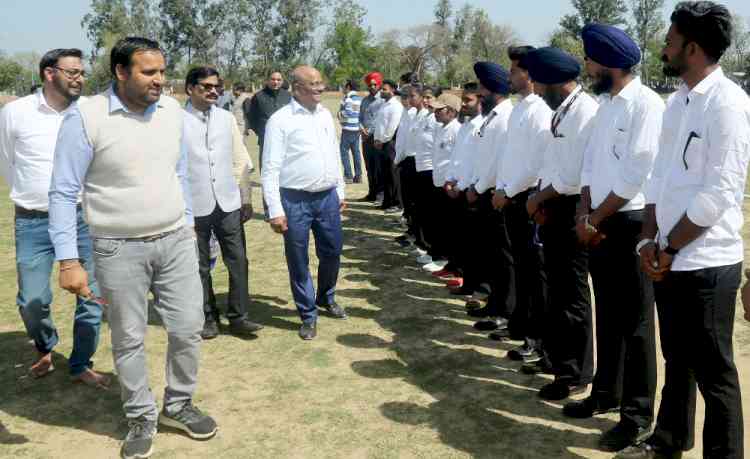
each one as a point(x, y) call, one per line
point(443, 12)
point(563, 40)
point(107, 17)
point(293, 29)
point(488, 41)
point(348, 42)
point(191, 29)
point(13, 77)
point(603, 11)
point(647, 26)
point(737, 56)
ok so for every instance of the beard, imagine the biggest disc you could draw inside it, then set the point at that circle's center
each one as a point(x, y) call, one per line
point(603, 82)
point(488, 103)
point(70, 94)
point(553, 97)
point(675, 67)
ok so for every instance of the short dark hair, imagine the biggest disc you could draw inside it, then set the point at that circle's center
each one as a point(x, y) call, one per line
point(390, 83)
point(122, 52)
point(471, 87)
point(707, 24)
point(435, 90)
point(416, 87)
point(196, 74)
point(52, 57)
point(239, 86)
point(409, 78)
point(352, 84)
point(518, 53)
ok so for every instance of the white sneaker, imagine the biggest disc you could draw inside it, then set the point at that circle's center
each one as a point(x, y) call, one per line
point(435, 266)
point(417, 252)
point(424, 259)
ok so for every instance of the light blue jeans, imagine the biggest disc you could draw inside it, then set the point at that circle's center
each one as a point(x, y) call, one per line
point(35, 257)
point(350, 142)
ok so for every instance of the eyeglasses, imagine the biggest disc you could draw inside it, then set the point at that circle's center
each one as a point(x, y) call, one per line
point(72, 73)
point(209, 87)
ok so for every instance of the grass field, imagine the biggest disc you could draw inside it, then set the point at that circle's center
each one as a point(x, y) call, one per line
point(405, 377)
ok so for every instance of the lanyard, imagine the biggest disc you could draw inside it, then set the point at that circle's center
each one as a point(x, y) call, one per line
point(560, 114)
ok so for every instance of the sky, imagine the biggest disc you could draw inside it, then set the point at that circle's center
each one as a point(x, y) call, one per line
point(41, 25)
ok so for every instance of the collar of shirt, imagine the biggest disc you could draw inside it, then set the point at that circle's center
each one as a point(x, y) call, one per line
point(568, 100)
point(299, 108)
point(203, 116)
point(42, 104)
point(703, 87)
point(115, 104)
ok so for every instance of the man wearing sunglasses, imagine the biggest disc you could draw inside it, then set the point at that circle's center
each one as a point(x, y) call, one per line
point(691, 244)
point(28, 133)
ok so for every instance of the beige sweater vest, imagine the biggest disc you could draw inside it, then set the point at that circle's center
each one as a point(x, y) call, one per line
point(131, 188)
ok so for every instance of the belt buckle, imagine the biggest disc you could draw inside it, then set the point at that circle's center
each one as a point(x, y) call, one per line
point(152, 238)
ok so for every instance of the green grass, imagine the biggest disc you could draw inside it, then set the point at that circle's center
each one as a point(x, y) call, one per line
point(405, 377)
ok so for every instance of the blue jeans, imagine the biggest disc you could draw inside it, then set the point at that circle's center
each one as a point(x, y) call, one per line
point(320, 213)
point(350, 141)
point(35, 257)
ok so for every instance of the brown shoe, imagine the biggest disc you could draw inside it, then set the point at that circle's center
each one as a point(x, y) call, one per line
point(92, 379)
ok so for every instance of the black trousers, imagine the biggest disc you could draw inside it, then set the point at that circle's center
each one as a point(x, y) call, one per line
point(444, 225)
point(696, 324)
point(372, 164)
point(531, 307)
point(385, 156)
point(427, 218)
point(568, 336)
point(407, 171)
point(227, 226)
point(625, 341)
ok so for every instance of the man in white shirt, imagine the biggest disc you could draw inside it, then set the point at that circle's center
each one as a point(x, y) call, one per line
point(617, 162)
point(405, 166)
point(518, 176)
point(219, 171)
point(446, 110)
point(491, 261)
point(457, 177)
point(691, 243)
point(386, 124)
point(304, 188)
point(569, 344)
point(28, 134)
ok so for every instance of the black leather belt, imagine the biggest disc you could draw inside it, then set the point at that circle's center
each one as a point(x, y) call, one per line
point(31, 213)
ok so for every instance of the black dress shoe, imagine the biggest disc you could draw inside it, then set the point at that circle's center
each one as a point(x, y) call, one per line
point(335, 310)
point(210, 329)
point(481, 313)
point(308, 331)
point(502, 334)
point(621, 436)
point(589, 407)
point(493, 323)
point(541, 366)
point(645, 451)
point(560, 390)
point(244, 327)
point(525, 353)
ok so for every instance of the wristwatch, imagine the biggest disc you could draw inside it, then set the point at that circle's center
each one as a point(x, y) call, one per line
point(671, 251)
point(643, 243)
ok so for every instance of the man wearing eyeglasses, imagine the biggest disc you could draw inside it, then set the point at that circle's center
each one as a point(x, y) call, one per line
point(219, 170)
point(691, 244)
point(304, 188)
point(28, 133)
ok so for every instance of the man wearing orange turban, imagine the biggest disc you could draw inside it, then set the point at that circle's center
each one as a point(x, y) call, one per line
point(367, 113)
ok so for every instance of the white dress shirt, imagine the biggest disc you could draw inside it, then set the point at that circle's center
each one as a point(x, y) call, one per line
point(402, 135)
point(300, 152)
point(410, 141)
point(218, 163)
point(491, 146)
point(563, 161)
point(528, 137)
point(28, 134)
point(701, 170)
point(445, 139)
point(623, 146)
point(461, 169)
point(388, 119)
point(423, 133)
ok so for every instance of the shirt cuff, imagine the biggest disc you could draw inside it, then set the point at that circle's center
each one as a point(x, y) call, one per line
point(652, 189)
point(625, 190)
point(561, 188)
point(703, 211)
point(67, 251)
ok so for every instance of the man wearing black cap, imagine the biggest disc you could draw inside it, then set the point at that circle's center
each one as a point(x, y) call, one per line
point(492, 260)
point(570, 344)
point(617, 162)
point(691, 242)
point(518, 176)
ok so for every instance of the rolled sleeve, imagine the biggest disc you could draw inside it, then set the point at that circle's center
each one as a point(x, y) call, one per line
point(726, 166)
point(73, 155)
point(274, 150)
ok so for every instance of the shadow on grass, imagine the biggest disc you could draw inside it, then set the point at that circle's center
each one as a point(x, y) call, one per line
point(483, 404)
point(53, 400)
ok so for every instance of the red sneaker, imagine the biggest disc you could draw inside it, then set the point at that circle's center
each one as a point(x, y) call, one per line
point(445, 273)
point(456, 282)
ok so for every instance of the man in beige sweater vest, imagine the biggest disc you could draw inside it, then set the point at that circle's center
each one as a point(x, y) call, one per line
point(125, 151)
